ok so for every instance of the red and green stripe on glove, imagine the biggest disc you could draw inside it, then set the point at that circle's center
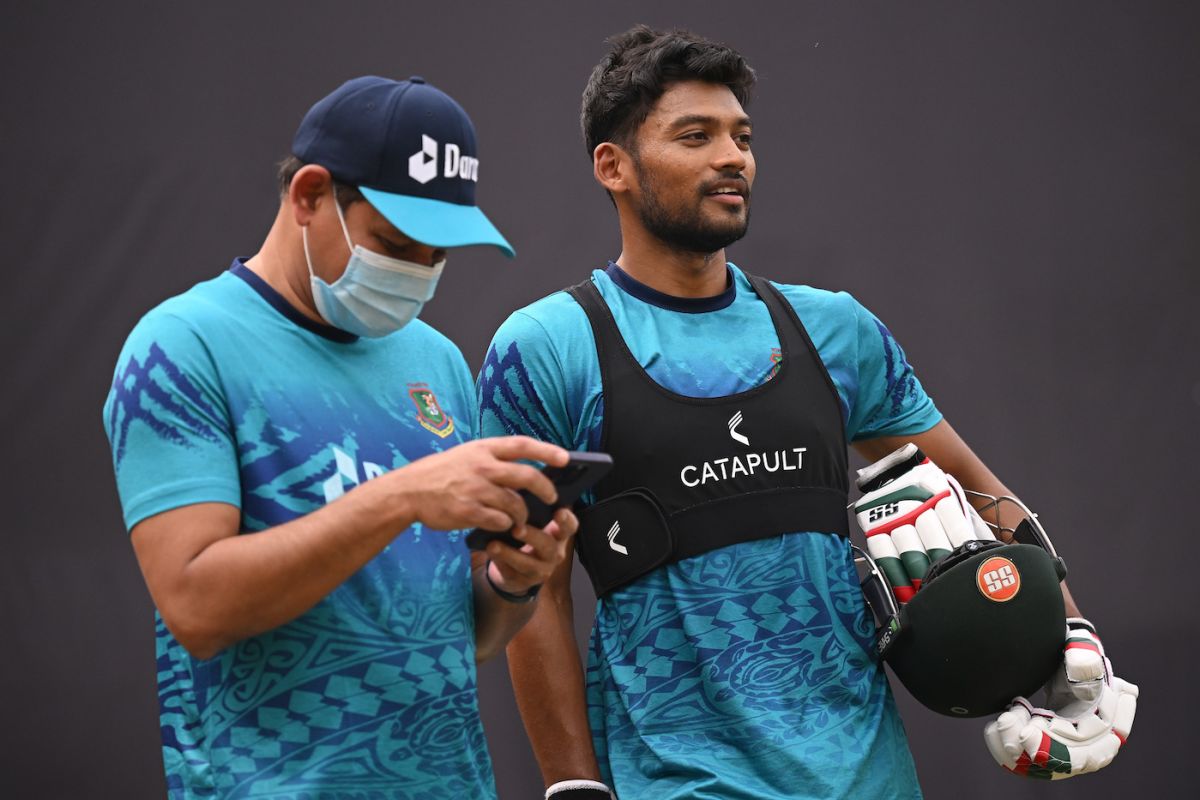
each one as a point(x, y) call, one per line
point(1087, 717)
point(916, 516)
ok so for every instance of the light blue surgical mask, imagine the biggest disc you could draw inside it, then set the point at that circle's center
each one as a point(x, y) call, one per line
point(376, 295)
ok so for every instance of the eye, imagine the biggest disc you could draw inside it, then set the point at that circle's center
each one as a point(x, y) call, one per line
point(392, 248)
point(744, 140)
point(694, 137)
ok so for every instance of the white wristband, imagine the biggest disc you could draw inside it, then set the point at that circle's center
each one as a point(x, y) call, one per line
point(566, 786)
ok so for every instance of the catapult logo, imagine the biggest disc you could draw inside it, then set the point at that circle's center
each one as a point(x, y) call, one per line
point(612, 539)
point(733, 423)
point(423, 164)
point(720, 469)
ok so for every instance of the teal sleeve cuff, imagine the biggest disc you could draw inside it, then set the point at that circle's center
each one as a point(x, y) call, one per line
point(168, 496)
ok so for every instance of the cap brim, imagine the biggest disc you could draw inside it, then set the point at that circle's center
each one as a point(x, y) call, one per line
point(437, 223)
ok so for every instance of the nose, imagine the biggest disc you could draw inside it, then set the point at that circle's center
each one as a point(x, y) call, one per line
point(429, 256)
point(730, 156)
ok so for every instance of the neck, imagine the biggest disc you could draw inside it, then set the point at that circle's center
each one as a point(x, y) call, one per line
point(669, 270)
point(280, 262)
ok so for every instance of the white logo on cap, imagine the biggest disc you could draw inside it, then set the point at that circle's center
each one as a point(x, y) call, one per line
point(465, 167)
point(422, 165)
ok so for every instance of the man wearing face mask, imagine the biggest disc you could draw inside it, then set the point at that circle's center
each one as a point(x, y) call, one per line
point(295, 457)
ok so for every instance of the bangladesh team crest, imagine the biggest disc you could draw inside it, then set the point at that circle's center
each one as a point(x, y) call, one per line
point(429, 411)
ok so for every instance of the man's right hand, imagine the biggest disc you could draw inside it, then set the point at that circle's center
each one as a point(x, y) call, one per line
point(475, 485)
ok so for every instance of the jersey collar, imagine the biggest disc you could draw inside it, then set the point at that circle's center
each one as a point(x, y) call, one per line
point(686, 305)
point(277, 302)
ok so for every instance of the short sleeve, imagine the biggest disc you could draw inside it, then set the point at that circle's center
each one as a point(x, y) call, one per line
point(890, 401)
point(466, 391)
point(521, 388)
point(462, 401)
point(168, 424)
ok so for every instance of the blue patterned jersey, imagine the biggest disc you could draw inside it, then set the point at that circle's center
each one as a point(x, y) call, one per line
point(743, 672)
point(227, 394)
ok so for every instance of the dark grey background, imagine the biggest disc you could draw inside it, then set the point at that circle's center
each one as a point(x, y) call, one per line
point(1012, 186)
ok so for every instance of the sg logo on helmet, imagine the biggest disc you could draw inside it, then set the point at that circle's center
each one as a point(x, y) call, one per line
point(998, 579)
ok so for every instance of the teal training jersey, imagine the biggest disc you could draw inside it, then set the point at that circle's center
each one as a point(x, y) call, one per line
point(743, 672)
point(227, 394)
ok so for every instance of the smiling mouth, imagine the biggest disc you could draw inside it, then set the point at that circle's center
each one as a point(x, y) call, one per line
point(729, 190)
point(727, 196)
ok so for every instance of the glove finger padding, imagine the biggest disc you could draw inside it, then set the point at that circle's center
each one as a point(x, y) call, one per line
point(912, 513)
point(1084, 725)
point(1074, 690)
point(1083, 655)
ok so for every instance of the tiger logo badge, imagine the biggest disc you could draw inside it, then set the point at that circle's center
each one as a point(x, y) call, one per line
point(429, 411)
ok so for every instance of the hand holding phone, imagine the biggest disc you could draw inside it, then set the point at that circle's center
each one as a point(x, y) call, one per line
point(581, 473)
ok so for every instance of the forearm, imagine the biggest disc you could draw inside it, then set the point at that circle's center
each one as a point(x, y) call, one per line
point(548, 682)
point(496, 619)
point(214, 587)
point(240, 586)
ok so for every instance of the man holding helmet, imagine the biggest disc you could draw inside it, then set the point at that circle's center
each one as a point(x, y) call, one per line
point(732, 654)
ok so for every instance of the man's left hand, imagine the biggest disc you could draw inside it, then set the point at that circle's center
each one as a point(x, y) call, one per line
point(1088, 715)
point(519, 571)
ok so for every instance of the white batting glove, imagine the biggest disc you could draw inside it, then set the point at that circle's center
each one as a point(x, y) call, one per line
point(1088, 715)
point(914, 517)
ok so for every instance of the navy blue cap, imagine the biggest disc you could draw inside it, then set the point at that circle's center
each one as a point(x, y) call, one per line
point(410, 149)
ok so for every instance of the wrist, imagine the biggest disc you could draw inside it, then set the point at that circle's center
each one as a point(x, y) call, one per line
point(398, 505)
point(517, 598)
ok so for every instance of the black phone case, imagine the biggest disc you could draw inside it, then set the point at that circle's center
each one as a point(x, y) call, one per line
point(582, 472)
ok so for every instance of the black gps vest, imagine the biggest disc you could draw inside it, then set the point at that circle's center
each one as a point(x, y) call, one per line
point(692, 474)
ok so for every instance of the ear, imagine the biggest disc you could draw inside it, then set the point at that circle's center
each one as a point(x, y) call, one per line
point(311, 186)
point(612, 166)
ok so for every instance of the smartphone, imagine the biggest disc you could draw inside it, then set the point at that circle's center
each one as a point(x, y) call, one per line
point(581, 473)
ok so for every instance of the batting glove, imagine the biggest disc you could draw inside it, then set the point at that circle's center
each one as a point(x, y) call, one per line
point(1088, 715)
point(913, 513)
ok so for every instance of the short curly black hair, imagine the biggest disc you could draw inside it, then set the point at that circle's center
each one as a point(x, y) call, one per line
point(639, 68)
